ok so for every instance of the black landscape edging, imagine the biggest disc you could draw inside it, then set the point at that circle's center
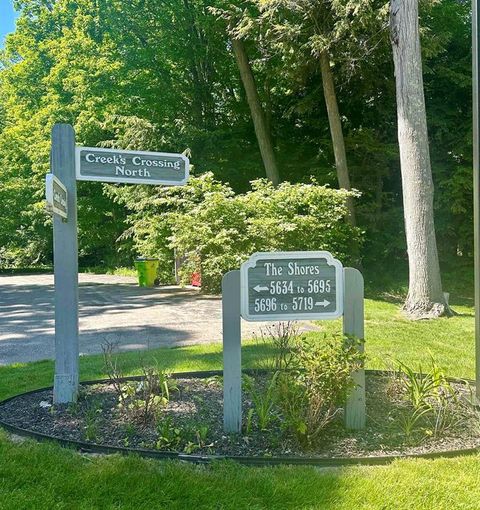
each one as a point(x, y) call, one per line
point(206, 459)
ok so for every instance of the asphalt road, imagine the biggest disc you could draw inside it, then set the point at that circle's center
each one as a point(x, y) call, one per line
point(111, 308)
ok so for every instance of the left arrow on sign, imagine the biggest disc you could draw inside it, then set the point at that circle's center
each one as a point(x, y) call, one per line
point(259, 288)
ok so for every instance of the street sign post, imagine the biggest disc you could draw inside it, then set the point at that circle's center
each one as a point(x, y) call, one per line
point(65, 257)
point(56, 195)
point(69, 164)
point(291, 286)
point(476, 180)
point(134, 167)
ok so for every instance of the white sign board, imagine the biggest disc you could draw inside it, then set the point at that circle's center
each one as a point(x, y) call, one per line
point(278, 286)
point(56, 196)
point(134, 167)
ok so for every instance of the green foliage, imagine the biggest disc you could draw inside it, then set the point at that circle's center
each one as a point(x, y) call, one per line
point(169, 434)
point(151, 213)
point(124, 78)
point(186, 437)
point(142, 401)
point(219, 233)
point(280, 338)
point(434, 406)
point(263, 400)
point(92, 416)
point(215, 230)
point(311, 395)
point(309, 386)
point(420, 388)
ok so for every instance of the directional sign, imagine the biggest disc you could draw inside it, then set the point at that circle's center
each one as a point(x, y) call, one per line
point(135, 167)
point(56, 196)
point(291, 285)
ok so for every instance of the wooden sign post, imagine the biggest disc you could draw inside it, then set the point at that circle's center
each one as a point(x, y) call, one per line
point(476, 181)
point(353, 326)
point(65, 256)
point(232, 353)
point(289, 286)
point(69, 164)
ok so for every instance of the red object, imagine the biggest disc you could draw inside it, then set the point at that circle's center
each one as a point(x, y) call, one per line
point(196, 279)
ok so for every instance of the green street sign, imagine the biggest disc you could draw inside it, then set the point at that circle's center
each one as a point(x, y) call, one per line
point(279, 286)
point(134, 167)
point(56, 196)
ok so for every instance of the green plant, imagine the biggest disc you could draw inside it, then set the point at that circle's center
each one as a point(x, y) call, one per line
point(141, 400)
point(278, 340)
point(410, 420)
point(144, 399)
point(73, 407)
point(111, 367)
point(420, 388)
point(91, 420)
point(221, 231)
point(311, 395)
point(435, 406)
point(188, 437)
point(249, 420)
point(263, 400)
point(169, 434)
point(130, 432)
point(197, 437)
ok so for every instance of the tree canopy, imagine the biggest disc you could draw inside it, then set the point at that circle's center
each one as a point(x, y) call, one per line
point(162, 76)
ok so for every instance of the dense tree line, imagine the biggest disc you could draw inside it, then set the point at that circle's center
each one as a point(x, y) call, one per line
point(167, 75)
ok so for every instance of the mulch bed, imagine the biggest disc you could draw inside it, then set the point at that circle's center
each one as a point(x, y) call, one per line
point(192, 422)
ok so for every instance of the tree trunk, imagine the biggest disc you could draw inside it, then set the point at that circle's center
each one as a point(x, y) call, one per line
point(258, 116)
point(336, 131)
point(425, 297)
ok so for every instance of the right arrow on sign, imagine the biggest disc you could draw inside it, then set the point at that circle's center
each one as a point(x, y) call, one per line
point(322, 303)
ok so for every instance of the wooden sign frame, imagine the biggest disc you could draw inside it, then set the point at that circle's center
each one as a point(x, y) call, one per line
point(353, 326)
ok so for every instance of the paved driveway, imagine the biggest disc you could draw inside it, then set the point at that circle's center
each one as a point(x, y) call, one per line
point(111, 308)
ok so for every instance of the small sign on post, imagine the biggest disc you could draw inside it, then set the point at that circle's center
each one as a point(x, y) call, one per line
point(56, 196)
point(134, 167)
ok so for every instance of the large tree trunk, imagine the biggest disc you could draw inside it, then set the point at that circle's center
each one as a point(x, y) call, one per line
point(258, 116)
point(336, 131)
point(425, 297)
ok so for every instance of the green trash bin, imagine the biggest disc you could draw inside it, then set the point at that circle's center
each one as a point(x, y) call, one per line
point(147, 271)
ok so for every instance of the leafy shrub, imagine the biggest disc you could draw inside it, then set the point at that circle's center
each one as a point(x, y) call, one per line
point(187, 437)
point(216, 230)
point(309, 386)
point(278, 341)
point(152, 211)
point(224, 229)
point(311, 395)
point(143, 400)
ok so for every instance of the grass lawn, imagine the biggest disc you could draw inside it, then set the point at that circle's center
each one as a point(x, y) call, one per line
point(389, 336)
point(46, 476)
